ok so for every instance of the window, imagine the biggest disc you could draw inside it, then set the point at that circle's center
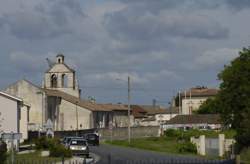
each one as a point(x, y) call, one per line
point(53, 81)
point(64, 81)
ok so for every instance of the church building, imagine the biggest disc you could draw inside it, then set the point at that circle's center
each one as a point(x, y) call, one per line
point(59, 100)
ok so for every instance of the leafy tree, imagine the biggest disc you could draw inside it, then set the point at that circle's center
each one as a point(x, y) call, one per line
point(234, 96)
point(210, 106)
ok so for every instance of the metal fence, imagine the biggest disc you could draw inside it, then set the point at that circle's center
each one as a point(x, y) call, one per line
point(114, 160)
point(62, 161)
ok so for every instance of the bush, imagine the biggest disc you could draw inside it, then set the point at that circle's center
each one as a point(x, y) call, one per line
point(3, 151)
point(187, 147)
point(59, 150)
point(46, 143)
point(54, 146)
point(173, 133)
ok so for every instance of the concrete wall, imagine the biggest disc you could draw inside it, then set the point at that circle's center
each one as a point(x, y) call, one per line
point(24, 122)
point(31, 95)
point(194, 103)
point(67, 117)
point(122, 133)
point(9, 118)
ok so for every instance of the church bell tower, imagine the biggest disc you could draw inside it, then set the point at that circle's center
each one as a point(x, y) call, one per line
point(61, 77)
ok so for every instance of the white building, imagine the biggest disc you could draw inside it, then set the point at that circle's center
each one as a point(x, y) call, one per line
point(14, 115)
point(192, 99)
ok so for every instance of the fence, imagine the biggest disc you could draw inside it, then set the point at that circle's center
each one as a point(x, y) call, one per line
point(51, 161)
point(113, 160)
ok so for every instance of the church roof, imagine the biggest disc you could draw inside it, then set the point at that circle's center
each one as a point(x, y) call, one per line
point(86, 104)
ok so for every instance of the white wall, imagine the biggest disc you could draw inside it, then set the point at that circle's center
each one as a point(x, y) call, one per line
point(24, 122)
point(67, 117)
point(194, 103)
point(30, 94)
point(8, 109)
point(164, 117)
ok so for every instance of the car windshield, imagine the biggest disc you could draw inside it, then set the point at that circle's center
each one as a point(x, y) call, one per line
point(78, 142)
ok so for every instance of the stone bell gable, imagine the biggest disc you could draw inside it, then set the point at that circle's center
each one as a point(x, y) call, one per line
point(61, 77)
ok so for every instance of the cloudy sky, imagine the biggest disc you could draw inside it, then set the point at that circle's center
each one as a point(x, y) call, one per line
point(163, 45)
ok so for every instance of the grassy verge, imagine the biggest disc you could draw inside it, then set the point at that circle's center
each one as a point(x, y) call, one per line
point(159, 144)
point(35, 156)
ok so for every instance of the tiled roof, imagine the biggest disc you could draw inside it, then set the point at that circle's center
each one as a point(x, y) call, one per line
point(199, 92)
point(138, 111)
point(86, 104)
point(195, 119)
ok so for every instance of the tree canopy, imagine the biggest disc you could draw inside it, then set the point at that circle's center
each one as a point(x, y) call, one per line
point(234, 96)
point(210, 106)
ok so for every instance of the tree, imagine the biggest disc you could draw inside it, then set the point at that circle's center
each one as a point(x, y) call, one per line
point(234, 96)
point(210, 106)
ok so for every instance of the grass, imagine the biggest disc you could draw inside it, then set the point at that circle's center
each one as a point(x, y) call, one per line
point(159, 144)
point(245, 156)
point(35, 156)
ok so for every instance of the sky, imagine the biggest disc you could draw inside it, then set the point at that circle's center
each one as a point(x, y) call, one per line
point(165, 46)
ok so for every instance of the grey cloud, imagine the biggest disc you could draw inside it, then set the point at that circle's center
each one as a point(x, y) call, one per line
point(238, 4)
point(140, 25)
point(43, 20)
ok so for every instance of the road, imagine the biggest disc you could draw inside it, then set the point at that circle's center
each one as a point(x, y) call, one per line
point(123, 155)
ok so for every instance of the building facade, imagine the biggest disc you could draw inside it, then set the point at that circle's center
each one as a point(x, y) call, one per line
point(192, 99)
point(13, 116)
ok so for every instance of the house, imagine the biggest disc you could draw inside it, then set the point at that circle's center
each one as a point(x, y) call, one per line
point(192, 99)
point(59, 100)
point(199, 121)
point(14, 116)
point(151, 115)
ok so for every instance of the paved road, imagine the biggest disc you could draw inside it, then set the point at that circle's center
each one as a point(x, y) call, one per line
point(121, 155)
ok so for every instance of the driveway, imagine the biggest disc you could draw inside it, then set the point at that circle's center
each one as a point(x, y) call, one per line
point(114, 154)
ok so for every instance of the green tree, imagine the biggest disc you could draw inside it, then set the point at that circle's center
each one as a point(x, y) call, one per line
point(210, 106)
point(234, 96)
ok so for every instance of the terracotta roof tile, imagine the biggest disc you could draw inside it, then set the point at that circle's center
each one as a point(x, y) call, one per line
point(195, 119)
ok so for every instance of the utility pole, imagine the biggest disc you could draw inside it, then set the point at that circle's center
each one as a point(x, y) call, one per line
point(129, 110)
point(76, 118)
point(180, 112)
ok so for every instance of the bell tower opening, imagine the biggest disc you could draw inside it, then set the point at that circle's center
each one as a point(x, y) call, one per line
point(60, 58)
point(53, 81)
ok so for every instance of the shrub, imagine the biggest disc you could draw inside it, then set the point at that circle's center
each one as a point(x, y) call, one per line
point(172, 133)
point(59, 150)
point(3, 151)
point(46, 143)
point(187, 147)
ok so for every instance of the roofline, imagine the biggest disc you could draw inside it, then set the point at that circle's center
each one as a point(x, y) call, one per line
point(11, 97)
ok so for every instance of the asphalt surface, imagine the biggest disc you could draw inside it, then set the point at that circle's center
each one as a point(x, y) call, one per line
point(121, 155)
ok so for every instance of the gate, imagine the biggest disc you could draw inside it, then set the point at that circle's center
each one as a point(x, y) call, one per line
point(212, 146)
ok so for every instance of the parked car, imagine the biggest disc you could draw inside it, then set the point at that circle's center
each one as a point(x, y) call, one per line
point(92, 138)
point(66, 140)
point(79, 146)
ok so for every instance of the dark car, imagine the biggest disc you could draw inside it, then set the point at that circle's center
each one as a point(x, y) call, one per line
point(92, 138)
point(78, 146)
point(66, 140)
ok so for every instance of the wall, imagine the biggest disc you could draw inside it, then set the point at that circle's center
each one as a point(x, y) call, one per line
point(67, 114)
point(31, 95)
point(195, 104)
point(8, 109)
point(24, 122)
point(122, 133)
